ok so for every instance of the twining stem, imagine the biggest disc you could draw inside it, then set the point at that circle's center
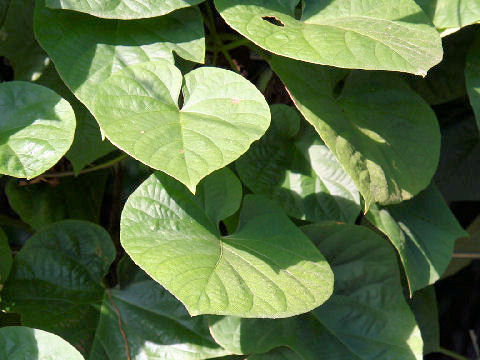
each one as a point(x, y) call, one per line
point(85, 171)
point(466, 255)
point(452, 354)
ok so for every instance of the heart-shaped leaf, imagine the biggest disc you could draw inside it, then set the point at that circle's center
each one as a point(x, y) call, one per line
point(267, 268)
point(367, 317)
point(472, 75)
point(385, 136)
point(375, 35)
point(20, 343)
point(36, 129)
point(222, 114)
point(423, 230)
point(122, 9)
point(299, 172)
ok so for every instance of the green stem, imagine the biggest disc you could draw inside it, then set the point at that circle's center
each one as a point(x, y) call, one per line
point(235, 44)
point(452, 354)
point(85, 171)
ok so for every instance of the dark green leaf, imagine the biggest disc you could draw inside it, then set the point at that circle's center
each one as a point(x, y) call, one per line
point(424, 307)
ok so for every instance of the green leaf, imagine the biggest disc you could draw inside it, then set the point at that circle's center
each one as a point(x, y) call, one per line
point(41, 204)
point(122, 9)
point(451, 14)
point(366, 318)
point(36, 129)
point(56, 280)
point(88, 144)
point(299, 172)
point(282, 353)
point(221, 116)
point(267, 268)
point(472, 75)
point(375, 35)
point(384, 135)
point(423, 230)
point(5, 258)
point(155, 324)
point(17, 42)
point(20, 343)
point(424, 306)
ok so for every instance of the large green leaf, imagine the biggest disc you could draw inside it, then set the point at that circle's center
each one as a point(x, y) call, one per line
point(424, 306)
point(21, 343)
point(472, 75)
point(299, 172)
point(36, 128)
point(423, 230)
point(375, 35)
point(17, 42)
point(221, 116)
point(267, 268)
point(56, 280)
point(42, 204)
point(56, 285)
point(5, 258)
point(451, 15)
point(385, 136)
point(122, 9)
point(367, 317)
point(88, 144)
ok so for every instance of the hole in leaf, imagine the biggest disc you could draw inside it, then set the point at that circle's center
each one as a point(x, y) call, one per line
point(273, 20)
point(181, 100)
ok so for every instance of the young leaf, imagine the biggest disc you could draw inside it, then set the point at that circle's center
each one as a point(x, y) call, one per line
point(42, 204)
point(385, 136)
point(375, 35)
point(5, 258)
point(17, 42)
point(299, 172)
point(20, 343)
point(366, 318)
point(36, 129)
point(472, 75)
point(122, 9)
point(267, 268)
point(423, 230)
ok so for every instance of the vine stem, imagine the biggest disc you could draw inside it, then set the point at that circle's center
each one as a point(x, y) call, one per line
point(85, 171)
point(452, 354)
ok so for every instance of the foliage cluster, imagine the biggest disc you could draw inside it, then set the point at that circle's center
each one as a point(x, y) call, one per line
point(158, 208)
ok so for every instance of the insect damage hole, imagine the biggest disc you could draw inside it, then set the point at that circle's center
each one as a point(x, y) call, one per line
point(273, 20)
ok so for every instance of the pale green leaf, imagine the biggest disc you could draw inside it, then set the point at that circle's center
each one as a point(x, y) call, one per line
point(424, 307)
point(423, 230)
point(299, 172)
point(21, 343)
point(385, 136)
point(451, 15)
point(5, 258)
point(472, 75)
point(221, 116)
point(42, 204)
point(122, 9)
point(367, 317)
point(267, 268)
point(17, 42)
point(375, 35)
point(36, 128)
